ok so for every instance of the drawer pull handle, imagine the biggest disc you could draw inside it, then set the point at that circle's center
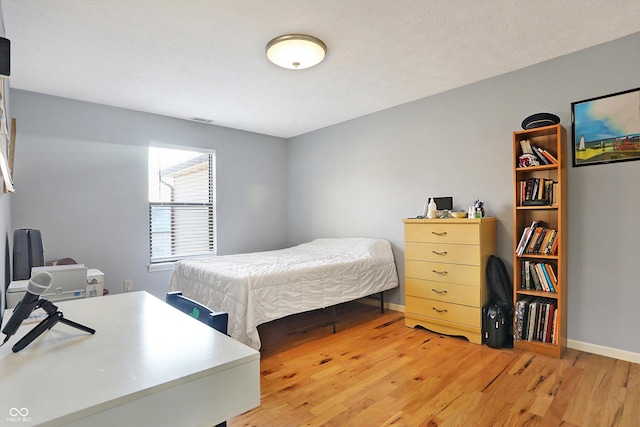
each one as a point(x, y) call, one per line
point(440, 272)
point(439, 292)
point(439, 253)
point(444, 233)
point(439, 311)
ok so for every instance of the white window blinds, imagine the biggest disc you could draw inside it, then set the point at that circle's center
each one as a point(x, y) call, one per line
point(181, 204)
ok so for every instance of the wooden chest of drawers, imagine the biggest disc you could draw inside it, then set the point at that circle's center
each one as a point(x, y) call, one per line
point(445, 263)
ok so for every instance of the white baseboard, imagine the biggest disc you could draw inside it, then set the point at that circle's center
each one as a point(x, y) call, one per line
point(601, 350)
point(604, 351)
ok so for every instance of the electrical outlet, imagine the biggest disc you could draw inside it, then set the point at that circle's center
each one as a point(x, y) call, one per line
point(128, 285)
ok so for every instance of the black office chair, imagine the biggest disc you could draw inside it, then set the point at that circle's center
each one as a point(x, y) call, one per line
point(217, 320)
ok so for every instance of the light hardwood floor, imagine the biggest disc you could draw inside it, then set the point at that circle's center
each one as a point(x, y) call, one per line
point(376, 372)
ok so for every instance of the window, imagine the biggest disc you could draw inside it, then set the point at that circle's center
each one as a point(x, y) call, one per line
point(181, 204)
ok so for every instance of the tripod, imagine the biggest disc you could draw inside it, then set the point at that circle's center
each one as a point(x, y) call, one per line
point(54, 316)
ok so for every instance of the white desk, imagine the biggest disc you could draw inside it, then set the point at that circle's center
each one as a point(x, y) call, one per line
point(147, 365)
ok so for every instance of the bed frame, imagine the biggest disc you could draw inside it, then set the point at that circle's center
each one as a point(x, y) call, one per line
point(259, 287)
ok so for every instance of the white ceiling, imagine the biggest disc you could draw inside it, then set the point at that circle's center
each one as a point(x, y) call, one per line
point(205, 58)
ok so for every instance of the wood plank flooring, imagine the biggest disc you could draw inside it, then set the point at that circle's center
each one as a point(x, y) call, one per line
point(376, 372)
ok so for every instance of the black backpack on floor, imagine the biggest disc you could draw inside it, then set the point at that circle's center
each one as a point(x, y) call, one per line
point(497, 315)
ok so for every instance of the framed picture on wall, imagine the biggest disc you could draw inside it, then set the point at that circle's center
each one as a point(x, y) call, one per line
point(606, 129)
point(4, 142)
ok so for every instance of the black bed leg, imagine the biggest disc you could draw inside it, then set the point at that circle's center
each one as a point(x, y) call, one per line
point(382, 302)
point(333, 315)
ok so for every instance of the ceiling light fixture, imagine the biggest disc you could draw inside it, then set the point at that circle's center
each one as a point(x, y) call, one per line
point(296, 51)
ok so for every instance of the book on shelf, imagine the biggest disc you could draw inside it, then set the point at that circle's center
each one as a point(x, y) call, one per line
point(538, 276)
point(543, 156)
point(533, 334)
point(535, 278)
point(541, 278)
point(548, 156)
point(541, 236)
point(541, 187)
point(543, 312)
point(527, 274)
point(554, 247)
point(521, 242)
point(534, 240)
point(519, 317)
point(536, 319)
point(549, 324)
point(526, 236)
point(545, 241)
point(552, 276)
point(539, 247)
point(537, 192)
point(548, 190)
point(546, 247)
point(528, 188)
point(525, 146)
point(554, 331)
point(533, 319)
point(543, 159)
point(538, 155)
point(547, 277)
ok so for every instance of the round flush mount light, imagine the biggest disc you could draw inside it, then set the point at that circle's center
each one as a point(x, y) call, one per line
point(296, 51)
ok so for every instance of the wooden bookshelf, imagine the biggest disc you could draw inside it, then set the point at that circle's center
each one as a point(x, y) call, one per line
point(552, 216)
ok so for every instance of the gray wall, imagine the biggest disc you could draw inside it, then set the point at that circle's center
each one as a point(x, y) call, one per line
point(81, 178)
point(362, 177)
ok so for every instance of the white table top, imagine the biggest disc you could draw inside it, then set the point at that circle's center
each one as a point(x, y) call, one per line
point(141, 346)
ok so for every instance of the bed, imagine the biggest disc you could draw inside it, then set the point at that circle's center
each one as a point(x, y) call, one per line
point(255, 288)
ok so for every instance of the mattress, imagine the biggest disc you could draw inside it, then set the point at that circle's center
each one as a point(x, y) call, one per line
point(258, 287)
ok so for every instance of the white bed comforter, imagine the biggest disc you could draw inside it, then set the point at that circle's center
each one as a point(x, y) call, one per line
point(255, 288)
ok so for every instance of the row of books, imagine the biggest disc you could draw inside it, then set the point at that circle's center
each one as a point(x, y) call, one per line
point(536, 239)
point(536, 319)
point(538, 191)
point(539, 276)
point(543, 156)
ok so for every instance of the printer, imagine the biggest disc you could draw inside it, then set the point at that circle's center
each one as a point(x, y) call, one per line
point(69, 282)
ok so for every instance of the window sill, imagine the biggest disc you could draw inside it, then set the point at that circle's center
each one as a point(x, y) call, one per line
point(163, 266)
